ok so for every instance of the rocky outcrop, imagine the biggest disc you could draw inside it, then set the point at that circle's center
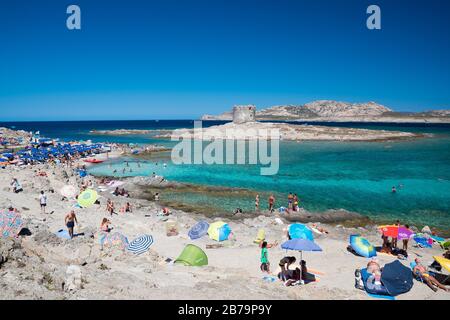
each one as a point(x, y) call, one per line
point(336, 111)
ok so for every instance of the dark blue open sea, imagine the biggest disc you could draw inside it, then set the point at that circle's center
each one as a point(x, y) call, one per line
point(355, 176)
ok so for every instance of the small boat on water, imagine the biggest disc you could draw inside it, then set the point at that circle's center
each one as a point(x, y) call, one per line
point(93, 160)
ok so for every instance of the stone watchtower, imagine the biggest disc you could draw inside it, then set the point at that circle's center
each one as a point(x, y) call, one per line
point(243, 114)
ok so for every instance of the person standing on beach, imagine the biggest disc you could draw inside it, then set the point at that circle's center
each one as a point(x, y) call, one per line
point(257, 203)
point(110, 207)
point(265, 264)
point(70, 221)
point(295, 206)
point(405, 241)
point(43, 201)
point(290, 200)
point(394, 239)
point(271, 202)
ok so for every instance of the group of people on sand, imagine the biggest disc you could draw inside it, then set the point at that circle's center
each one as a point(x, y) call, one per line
point(374, 270)
point(293, 203)
point(390, 245)
point(290, 277)
point(121, 192)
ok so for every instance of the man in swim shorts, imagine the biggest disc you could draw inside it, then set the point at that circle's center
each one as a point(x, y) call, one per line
point(70, 221)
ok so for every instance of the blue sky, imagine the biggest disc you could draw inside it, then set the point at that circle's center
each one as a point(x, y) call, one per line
point(171, 59)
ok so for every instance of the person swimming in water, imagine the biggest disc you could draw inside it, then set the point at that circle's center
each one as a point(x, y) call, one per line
point(394, 190)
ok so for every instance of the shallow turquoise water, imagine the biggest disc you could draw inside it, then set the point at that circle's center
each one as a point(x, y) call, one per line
point(326, 175)
point(353, 176)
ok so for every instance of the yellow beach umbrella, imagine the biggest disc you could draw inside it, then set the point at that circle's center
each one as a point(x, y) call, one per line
point(87, 198)
point(445, 263)
point(219, 231)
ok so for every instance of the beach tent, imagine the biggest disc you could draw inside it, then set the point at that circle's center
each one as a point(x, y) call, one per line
point(362, 246)
point(219, 231)
point(396, 278)
point(87, 198)
point(199, 230)
point(192, 256)
point(10, 224)
point(300, 231)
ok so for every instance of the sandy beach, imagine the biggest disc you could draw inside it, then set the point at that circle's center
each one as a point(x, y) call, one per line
point(43, 266)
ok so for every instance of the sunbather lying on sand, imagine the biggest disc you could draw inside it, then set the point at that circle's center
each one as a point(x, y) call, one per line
point(431, 281)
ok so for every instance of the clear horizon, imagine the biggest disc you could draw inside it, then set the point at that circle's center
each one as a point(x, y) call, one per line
point(181, 59)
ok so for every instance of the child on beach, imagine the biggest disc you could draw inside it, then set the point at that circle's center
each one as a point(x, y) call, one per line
point(265, 264)
point(43, 201)
point(257, 203)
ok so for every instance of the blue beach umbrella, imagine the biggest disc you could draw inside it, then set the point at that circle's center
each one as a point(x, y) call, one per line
point(362, 246)
point(300, 231)
point(199, 230)
point(141, 244)
point(300, 245)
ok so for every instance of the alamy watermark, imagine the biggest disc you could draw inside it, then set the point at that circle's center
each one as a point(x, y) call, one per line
point(73, 21)
point(228, 146)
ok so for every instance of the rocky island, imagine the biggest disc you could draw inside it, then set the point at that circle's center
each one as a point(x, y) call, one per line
point(336, 111)
point(245, 127)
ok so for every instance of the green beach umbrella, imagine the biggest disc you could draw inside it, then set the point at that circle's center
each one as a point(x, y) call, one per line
point(87, 198)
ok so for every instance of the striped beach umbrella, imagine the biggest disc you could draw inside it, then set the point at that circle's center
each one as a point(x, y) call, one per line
point(141, 244)
point(362, 246)
point(198, 230)
point(87, 198)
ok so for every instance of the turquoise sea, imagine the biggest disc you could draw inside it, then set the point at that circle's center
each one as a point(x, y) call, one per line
point(354, 176)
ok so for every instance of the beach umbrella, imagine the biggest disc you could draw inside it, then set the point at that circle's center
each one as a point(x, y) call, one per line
point(300, 245)
point(10, 224)
point(87, 198)
point(219, 231)
point(396, 278)
point(141, 244)
point(198, 230)
point(362, 246)
point(69, 191)
point(445, 263)
point(300, 231)
point(115, 239)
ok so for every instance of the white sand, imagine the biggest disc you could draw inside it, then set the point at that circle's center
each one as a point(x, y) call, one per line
point(37, 267)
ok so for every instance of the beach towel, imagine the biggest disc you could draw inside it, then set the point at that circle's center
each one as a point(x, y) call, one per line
point(376, 293)
point(422, 242)
point(63, 234)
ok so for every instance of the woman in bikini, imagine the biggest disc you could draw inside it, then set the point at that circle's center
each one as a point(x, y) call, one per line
point(431, 281)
